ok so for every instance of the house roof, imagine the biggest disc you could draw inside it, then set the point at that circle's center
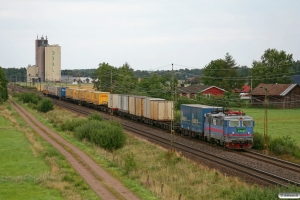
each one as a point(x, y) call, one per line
point(196, 89)
point(246, 88)
point(273, 89)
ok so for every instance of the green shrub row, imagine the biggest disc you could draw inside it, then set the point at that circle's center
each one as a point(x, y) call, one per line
point(30, 97)
point(70, 125)
point(107, 134)
point(278, 145)
point(35, 101)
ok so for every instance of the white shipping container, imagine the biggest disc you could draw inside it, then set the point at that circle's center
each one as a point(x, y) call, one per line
point(51, 89)
point(161, 110)
point(113, 100)
point(123, 103)
point(147, 106)
point(56, 88)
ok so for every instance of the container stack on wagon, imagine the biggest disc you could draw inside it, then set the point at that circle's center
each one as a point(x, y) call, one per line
point(113, 101)
point(123, 105)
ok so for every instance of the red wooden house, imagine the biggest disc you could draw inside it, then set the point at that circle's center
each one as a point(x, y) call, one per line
point(192, 90)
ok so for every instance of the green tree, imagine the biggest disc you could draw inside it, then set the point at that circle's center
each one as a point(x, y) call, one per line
point(104, 75)
point(125, 81)
point(274, 67)
point(155, 86)
point(3, 86)
point(296, 67)
point(16, 74)
point(45, 105)
point(222, 73)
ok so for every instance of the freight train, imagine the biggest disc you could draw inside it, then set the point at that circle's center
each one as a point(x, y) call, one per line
point(231, 129)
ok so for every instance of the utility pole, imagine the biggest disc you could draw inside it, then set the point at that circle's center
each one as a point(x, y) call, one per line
point(111, 96)
point(266, 122)
point(173, 98)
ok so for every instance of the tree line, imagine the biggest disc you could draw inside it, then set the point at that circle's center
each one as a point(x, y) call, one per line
point(273, 67)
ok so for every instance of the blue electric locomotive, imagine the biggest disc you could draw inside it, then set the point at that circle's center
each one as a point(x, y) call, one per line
point(231, 129)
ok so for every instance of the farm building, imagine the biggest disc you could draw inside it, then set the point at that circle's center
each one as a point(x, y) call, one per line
point(192, 90)
point(278, 95)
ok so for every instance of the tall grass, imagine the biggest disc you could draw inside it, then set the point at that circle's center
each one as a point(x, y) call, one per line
point(31, 168)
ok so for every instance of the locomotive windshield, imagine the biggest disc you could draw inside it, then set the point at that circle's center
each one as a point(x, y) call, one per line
point(247, 123)
point(234, 123)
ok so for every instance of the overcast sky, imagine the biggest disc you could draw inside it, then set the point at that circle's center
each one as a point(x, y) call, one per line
point(149, 35)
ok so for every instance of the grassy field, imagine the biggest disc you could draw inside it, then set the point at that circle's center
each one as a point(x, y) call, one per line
point(32, 169)
point(280, 122)
point(153, 168)
point(172, 172)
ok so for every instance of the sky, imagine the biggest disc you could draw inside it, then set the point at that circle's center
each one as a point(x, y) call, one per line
point(148, 35)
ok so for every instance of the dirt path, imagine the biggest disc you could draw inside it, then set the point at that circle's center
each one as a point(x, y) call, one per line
point(99, 180)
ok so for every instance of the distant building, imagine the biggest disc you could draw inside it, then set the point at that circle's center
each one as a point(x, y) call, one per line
point(244, 89)
point(192, 90)
point(47, 62)
point(73, 79)
point(52, 63)
point(32, 73)
point(278, 95)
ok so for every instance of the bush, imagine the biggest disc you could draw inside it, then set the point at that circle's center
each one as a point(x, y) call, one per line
point(284, 145)
point(108, 135)
point(70, 125)
point(32, 105)
point(258, 141)
point(95, 116)
point(45, 105)
point(30, 97)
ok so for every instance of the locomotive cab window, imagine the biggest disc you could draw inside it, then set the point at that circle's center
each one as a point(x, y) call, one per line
point(234, 123)
point(219, 122)
point(247, 123)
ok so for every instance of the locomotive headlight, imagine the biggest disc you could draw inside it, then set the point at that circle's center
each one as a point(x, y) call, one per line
point(248, 133)
point(232, 133)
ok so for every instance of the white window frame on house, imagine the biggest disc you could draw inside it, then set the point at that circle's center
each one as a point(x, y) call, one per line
point(206, 95)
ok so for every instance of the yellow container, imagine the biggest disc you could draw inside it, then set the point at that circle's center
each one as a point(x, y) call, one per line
point(89, 96)
point(76, 94)
point(100, 98)
point(82, 94)
point(69, 93)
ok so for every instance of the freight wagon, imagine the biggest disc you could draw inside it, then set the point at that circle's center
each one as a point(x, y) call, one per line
point(231, 129)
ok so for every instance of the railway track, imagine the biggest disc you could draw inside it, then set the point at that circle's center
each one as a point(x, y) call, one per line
point(272, 160)
point(186, 149)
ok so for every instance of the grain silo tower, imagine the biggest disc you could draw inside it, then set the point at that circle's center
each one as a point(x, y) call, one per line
point(40, 45)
